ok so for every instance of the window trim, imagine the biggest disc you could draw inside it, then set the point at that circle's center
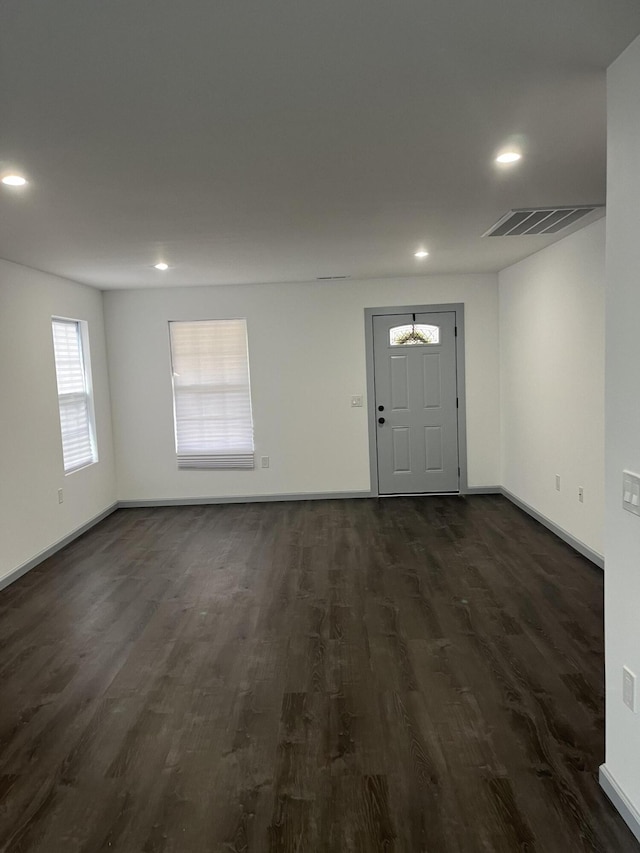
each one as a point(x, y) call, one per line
point(236, 460)
point(82, 327)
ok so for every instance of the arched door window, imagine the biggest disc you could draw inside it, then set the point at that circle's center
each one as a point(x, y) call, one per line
point(413, 334)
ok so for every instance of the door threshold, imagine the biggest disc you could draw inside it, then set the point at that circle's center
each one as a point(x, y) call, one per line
point(418, 494)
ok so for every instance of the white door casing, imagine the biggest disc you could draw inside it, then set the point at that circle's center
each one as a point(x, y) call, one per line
point(416, 402)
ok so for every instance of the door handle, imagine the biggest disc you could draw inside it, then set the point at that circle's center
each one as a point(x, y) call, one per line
point(380, 421)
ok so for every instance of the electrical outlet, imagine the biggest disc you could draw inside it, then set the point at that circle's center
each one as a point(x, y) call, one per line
point(356, 401)
point(264, 461)
point(60, 496)
point(581, 494)
point(629, 688)
point(557, 482)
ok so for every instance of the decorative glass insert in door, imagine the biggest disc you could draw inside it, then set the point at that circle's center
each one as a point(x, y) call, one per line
point(414, 333)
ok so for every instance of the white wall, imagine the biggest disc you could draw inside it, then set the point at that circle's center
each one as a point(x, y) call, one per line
point(31, 467)
point(307, 357)
point(552, 382)
point(622, 530)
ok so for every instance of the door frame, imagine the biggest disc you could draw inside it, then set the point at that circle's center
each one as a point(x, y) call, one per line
point(369, 314)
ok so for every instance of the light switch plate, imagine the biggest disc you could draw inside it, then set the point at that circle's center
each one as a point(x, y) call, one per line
point(631, 492)
point(356, 401)
point(629, 688)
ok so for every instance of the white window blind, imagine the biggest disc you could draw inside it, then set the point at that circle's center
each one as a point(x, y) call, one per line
point(74, 395)
point(211, 394)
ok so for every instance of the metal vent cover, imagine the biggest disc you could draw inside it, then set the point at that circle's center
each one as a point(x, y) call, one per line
point(526, 221)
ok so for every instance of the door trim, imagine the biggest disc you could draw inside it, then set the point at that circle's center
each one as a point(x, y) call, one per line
point(369, 314)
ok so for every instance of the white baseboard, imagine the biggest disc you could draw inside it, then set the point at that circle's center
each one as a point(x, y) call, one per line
point(576, 544)
point(243, 499)
point(619, 799)
point(21, 570)
point(313, 496)
point(57, 546)
point(130, 503)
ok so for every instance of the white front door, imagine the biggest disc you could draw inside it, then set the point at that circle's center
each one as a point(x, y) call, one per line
point(416, 402)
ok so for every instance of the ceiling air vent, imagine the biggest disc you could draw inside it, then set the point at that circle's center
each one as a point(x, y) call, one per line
point(541, 220)
point(332, 277)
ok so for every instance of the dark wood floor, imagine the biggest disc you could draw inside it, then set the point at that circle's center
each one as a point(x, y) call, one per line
point(394, 675)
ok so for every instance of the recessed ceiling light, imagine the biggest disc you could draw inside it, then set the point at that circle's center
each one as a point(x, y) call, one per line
point(14, 181)
point(421, 254)
point(162, 266)
point(508, 157)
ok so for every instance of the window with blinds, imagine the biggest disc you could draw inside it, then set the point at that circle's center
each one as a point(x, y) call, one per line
point(211, 394)
point(77, 422)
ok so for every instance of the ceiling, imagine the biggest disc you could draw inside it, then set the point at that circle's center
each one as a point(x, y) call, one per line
point(283, 140)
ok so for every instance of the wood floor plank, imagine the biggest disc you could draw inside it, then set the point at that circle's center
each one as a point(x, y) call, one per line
point(417, 675)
